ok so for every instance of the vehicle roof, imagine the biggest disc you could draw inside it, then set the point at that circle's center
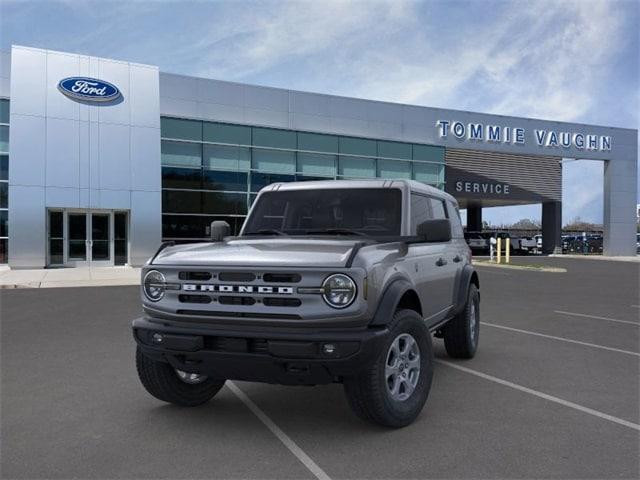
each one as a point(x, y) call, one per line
point(412, 185)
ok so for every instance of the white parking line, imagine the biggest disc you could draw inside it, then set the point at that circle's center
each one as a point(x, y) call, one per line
point(536, 393)
point(596, 317)
point(562, 339)
point(283, 437)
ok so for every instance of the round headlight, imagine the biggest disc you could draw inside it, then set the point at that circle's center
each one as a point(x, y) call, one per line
point(339, 290)
point(154, 285)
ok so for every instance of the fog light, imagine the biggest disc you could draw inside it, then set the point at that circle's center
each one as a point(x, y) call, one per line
point(157, 338)
point(328, 348)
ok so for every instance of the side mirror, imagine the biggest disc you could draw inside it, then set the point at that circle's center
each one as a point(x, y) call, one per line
point(219, 230)
point(435, 230)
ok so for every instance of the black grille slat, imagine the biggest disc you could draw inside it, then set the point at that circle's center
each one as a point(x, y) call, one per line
point(232, 300)
point(236, 276)
point(281, 302)
point(281, 277)
point(195, 276)
point(222, 314)
point(183, 298)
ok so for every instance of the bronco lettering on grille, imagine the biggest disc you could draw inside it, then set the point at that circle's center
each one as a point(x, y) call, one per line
point(192, 287)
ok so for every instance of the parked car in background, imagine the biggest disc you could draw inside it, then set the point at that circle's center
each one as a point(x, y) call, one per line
point(477, 242)
point(528, 244)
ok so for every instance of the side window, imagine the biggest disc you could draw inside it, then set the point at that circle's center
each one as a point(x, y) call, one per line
point(456, 223)
point(420, 211)
point(437, 208)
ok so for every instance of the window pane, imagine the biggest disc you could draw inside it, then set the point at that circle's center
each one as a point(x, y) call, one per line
point(4, 139)
point(227, 158)
point(4, 251)
point(179, 153)
point(224, 133)
point(4, 167)
point(185, 226)
point(55, 225)
point(56, 252)
point(358, 146)
point(174, 201)
point(183, 129)
point(393, 169)
point(317, 164)
point(357, 167)
point(437, 208)
point(317, 143)
point(173, 177)
point(419, 211)
point(428, 153)
point(261, 180)
point(394, 150)
point(4, 223)
point(428, 173)
point(217, 180)
point(271, 137)
point(275, 161)
point(230, 203)
point(4, 111)
point(4, 192)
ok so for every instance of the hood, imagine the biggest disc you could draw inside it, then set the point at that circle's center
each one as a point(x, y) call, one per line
point(273, 252)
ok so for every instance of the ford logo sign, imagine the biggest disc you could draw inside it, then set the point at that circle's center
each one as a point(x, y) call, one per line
point(89, 89)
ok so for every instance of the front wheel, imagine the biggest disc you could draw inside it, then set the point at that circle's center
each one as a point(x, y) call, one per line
point(395, 387)
point(175, 386)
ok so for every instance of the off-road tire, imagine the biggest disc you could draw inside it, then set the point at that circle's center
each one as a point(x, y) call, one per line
point(457, 333)
point(367, 393)
point(161, 380)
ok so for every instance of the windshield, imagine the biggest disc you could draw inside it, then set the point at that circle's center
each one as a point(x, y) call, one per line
point(361, 211)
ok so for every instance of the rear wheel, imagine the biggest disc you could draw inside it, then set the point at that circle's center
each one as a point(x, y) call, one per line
point(175, 386)
point(393, 390)
point(462, 332)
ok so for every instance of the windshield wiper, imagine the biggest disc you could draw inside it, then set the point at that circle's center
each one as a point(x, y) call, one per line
point(266, 231)
point(337, 231)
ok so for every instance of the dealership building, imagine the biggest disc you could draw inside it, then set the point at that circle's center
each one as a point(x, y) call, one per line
point(101, 160)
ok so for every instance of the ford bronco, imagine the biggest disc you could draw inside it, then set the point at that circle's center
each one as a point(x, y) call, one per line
point(327, 282)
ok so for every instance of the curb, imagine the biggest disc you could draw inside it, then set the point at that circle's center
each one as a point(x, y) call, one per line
point(521, 267)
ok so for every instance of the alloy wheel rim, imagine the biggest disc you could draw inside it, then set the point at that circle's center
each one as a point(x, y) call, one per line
point(190, 378)
point(473, 322)
point(402, 367)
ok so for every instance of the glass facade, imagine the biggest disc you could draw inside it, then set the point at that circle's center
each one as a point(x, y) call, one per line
point(4, 180)
point(212, 171)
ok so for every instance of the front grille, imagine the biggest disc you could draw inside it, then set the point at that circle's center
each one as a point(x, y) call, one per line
point(194, 298)
point(236, 345)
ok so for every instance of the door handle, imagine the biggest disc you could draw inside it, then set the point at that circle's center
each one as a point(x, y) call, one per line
point(457, 259)
point(441, 262)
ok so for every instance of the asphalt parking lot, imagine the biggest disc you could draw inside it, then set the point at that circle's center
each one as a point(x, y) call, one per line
point(552, 393)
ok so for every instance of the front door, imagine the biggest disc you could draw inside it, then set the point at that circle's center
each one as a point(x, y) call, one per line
point(87, 238)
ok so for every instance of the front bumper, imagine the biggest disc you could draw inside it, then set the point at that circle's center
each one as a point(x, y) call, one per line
point(282, 357)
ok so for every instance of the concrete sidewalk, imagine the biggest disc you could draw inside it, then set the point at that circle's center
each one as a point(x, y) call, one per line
point(69, 277)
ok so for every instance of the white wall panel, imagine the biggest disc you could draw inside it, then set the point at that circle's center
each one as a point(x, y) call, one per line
point(115, 199)
point(144, 97)
point(62, 197)
point(223, 93)
point(145, 155)
point(27, 142)
point(59, 66)
point(266, 98)
point(115, 155)
point(28, 81)
point(27, 247)
point(63, 153)
point(146, 225)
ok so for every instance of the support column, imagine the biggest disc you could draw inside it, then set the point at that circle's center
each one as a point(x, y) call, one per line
point(620, 198)
point(474, 218)
point(551, 227)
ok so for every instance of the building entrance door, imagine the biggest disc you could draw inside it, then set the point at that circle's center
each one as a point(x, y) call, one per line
point(87, 238)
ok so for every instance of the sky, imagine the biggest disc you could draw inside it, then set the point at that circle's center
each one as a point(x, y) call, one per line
point(558, 60)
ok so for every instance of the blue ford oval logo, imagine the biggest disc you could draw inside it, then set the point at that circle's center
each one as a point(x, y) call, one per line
point(89, 89)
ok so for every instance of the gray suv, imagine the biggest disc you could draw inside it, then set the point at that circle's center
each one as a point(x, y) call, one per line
point(327, 282)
